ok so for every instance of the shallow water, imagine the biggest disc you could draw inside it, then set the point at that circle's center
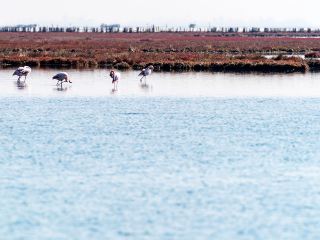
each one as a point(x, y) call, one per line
point(159, 165)
point(96, 83)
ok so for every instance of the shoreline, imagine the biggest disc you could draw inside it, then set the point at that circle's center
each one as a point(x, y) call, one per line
point(245, 65)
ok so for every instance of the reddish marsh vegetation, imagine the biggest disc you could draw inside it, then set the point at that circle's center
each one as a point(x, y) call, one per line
point(167, 51)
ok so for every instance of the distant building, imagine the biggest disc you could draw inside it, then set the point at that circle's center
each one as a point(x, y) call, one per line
point(110, 28)
point(255, 29)
point(192, 26)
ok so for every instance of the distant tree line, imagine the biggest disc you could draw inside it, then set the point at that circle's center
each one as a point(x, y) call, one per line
point(115, 28)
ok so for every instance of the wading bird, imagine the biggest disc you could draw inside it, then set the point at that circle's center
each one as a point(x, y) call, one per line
point(115, 79)
point(146, 72)
point(22, 71)
point(61, 78)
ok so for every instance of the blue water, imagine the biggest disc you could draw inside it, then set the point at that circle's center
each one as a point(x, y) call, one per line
point(159, 168)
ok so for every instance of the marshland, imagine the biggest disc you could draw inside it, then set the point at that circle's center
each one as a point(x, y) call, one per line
point(182, 51)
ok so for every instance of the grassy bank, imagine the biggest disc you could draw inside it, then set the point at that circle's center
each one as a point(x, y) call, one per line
point(167, 52)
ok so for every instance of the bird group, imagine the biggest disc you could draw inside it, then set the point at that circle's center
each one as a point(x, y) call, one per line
point(63, 77)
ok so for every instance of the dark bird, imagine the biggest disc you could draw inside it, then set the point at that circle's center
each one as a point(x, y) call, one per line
point(146, 72)
point(61, 78)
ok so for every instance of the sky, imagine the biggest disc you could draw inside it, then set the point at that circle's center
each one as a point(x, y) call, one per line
point(242, 13)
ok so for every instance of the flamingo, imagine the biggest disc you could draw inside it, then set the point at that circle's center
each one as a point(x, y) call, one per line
point(61, 77)
point(22, 71)
point(115, 79)
point(146, 72)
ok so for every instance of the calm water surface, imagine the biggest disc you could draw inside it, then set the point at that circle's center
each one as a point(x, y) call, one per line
point(194, 156)
point(96, 83)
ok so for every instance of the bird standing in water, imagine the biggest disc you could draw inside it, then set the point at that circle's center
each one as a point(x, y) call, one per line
point(22, 71)
point(146, 72)
point(115, 76)
point(61, 78)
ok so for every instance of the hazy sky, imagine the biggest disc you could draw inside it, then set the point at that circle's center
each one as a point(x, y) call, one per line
point(161, 12)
